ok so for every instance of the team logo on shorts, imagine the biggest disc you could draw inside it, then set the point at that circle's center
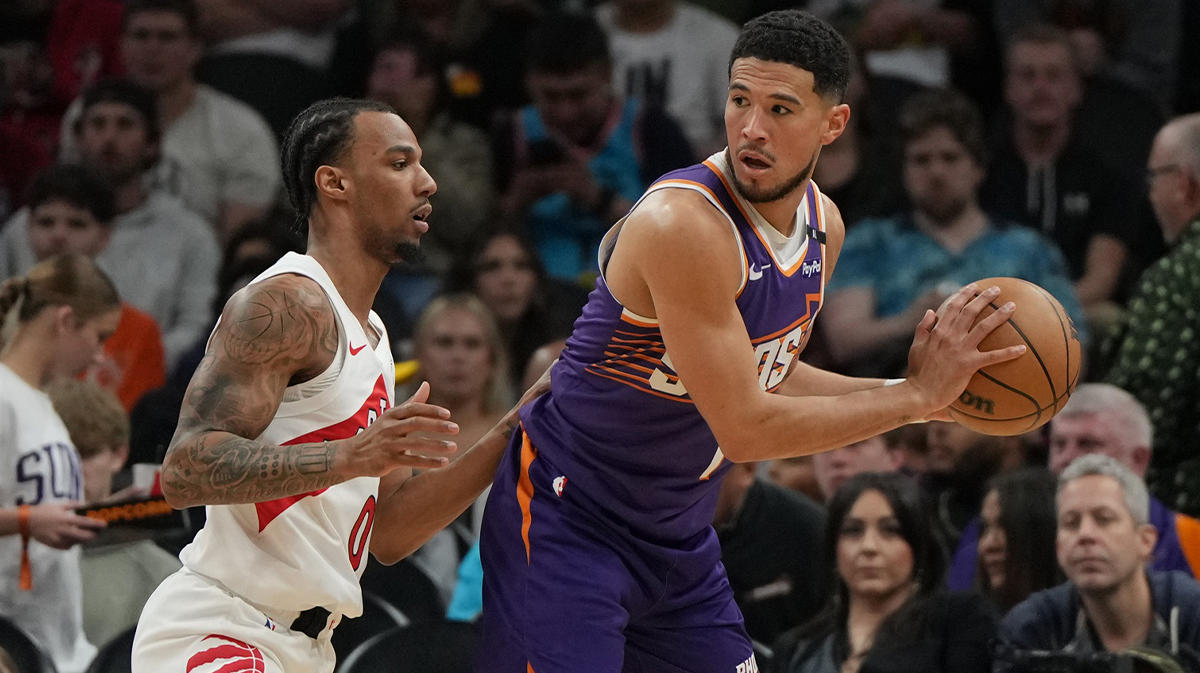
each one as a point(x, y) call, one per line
point(748, 666)
point(559, 484)
point(226, 655)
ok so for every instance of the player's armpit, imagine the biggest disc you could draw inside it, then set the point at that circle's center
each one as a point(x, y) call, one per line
point(271, 333)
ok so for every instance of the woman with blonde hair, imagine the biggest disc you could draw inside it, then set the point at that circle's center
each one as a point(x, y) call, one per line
point(460, 352)
point(55, 320)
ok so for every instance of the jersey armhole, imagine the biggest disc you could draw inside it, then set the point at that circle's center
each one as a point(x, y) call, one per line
point(609, 242)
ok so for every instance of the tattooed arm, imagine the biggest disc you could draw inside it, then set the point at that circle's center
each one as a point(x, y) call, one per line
point(412, 509)
point(272, 334)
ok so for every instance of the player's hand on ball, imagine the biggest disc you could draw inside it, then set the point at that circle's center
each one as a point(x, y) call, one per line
point(945, 351)
point(57, 525)
point(397, 439)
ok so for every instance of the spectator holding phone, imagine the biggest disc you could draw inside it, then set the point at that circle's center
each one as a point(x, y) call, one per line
point(574, 161)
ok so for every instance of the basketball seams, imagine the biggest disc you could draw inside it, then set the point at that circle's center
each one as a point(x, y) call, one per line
point(1061, 313)
point(1037, 412)
point(1036, 355)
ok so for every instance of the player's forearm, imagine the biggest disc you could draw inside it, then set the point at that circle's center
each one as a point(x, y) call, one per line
point(777, 426)
point(421, 506)
point(805, 380)
point(220, 468)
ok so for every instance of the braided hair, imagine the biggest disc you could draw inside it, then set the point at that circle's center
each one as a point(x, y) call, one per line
point(318, 136)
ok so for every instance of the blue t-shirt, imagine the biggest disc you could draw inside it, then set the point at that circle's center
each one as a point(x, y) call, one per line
point(899, 262)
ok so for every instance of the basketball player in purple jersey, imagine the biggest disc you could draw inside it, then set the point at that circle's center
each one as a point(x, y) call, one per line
point(597, 547)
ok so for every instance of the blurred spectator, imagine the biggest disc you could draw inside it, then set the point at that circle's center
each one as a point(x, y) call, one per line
point(959, 465)
point(857, 170)
point(541, 360)
point(44, 71)
point(574, 161)
point(274, 56)
point(673, 54)
point(485, 42)
point(161, 256)
point(874, 454)
point(461, 355)
point(408, 74)
point(1154, 353)
point(887, 609)
point(1101, 418)
point(1042, 176)
point(910, 45)
point(21, 159)
point(1110, 602)
point(767, 536)
point(1132, 41)
point(60, 313)
point(1016, 539)
point(532, 309)
point(218, 155)
point(797, 474)
point(119, 578)
point(893, 269)
point(70, 213)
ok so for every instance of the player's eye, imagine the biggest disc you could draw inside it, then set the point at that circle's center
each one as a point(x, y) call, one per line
point(400, 165)
point(780, 110)
point(739, 101)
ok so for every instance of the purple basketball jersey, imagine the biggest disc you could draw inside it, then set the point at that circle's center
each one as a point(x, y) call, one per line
point(618, 424)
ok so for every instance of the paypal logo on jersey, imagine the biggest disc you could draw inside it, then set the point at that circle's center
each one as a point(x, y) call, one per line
point(807, 269)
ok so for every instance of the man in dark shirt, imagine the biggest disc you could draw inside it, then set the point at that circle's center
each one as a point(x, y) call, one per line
point(1043, 177)
point(770, 546)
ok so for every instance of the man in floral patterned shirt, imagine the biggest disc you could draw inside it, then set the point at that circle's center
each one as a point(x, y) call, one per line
point(1155, 351)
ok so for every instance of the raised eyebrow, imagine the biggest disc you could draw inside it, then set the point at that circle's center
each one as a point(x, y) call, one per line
point(787, 98)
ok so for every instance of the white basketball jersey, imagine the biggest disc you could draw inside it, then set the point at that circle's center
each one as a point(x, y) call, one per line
point(307, 550)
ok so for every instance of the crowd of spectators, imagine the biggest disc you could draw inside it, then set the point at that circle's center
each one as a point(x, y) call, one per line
point(1052, 140)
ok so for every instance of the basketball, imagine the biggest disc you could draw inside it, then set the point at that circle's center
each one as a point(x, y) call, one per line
point(1014, 397)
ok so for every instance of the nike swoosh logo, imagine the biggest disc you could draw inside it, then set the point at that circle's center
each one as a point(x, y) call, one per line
point(355, 351)
point(755, 274)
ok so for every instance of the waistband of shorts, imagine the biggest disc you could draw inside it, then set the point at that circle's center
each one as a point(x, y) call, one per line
point(280, 618)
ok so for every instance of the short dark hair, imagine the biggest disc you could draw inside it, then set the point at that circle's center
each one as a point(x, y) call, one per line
point(77, 186)
point(318, 136)
point(948, 109)
point(1043, 34)
point(126, 92)
point(566, 43)
point(185, 9)
point(798, 38)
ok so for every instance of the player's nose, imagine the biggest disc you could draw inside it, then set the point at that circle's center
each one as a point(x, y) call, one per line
point(426, 185)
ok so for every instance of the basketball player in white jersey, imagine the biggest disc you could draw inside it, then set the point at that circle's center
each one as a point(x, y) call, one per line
point(288, 431)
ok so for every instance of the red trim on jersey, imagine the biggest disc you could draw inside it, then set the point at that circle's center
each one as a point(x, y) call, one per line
point(375, 403)
point(244, 657)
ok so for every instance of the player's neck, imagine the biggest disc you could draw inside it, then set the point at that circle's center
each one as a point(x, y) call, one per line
point(1122, 617)
point(356, 276)
point(781, 214)
point(646, 19)
point(1041, 146)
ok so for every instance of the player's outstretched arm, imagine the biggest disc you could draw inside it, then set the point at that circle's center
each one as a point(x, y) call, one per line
point(677, 260)
point(274, 332)
point(413, 509)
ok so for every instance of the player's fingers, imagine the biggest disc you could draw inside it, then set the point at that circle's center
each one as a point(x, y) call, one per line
point(925, 327)
point(988, 358)
point(414, 409)
point(420, 462)
point(991, 322)
point(408, 426)
point(76, 535)
point(964, 317)
point(956, 301)
point(421, 395)
point(424, 445)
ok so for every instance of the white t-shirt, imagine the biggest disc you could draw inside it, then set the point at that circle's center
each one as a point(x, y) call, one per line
point(38, 465)
point(219, 151)
point(685, 66)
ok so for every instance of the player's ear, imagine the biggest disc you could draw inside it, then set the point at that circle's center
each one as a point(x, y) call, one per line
point(835, 123)
point(331, 182)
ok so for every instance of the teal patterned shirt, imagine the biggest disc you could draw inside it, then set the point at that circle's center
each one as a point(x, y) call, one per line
point(1155, 355)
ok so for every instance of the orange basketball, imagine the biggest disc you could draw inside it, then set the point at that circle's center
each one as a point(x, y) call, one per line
point(1020, 395)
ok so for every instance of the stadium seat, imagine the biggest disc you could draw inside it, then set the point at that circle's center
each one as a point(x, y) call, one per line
point(434, 647)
